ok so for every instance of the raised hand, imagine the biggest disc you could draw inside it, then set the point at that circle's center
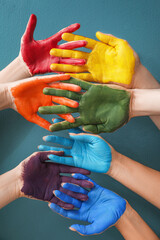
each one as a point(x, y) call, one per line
point(36, 55)
point(85, 150)
point(27, 96)
point(39, 178)
point(102, 209)
point(101, 108)
point(112, 60)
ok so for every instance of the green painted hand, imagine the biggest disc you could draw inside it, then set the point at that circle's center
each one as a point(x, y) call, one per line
point(101, 108)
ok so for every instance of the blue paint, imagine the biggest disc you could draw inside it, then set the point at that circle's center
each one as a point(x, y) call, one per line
point(136, 21)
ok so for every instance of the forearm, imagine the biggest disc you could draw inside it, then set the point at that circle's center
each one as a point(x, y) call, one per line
point(9, 186)
point(137, 177)
point(16, 70)
point(132, 226)
point(145, 102)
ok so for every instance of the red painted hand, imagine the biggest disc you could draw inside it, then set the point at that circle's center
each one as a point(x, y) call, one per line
point(36, 55)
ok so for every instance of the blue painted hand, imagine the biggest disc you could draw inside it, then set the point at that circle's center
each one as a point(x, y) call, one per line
point(86, 151)
point(103, 208)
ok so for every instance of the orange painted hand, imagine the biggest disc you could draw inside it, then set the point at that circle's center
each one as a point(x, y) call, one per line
point(112, 60)
point(26, 96)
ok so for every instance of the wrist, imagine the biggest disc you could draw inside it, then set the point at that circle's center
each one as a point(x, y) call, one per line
point(145, 102)
point(115, 167)
point(16, 70)
point(6, 99)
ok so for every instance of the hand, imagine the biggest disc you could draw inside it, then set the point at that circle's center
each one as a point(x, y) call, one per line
point(36, 55)
point(27, 96)
point(39, 178)
point(110, 61)
point(103, 209)
point(101, 108)
point(86, 151)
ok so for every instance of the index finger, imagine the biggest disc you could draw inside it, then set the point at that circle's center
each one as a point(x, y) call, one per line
point(72, 37)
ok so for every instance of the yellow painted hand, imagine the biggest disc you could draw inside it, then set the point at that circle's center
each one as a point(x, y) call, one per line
point(112, 60)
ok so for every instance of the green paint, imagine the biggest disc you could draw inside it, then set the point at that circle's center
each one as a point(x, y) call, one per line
point(101, 108)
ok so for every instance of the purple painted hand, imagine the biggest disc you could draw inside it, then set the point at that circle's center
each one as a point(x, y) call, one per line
point(40, 178)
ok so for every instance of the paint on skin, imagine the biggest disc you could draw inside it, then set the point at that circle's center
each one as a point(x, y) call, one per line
point(41, 178)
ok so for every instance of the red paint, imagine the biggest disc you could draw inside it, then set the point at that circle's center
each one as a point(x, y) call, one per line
point(36, 53)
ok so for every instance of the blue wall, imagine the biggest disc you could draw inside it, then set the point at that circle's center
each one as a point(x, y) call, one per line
point(136, 21)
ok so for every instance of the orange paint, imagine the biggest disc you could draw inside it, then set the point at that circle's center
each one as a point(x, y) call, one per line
point(28, 97)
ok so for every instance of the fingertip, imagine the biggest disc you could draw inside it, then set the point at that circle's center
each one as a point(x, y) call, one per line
point(72, 229)
point(44, 138)
point(52, 66)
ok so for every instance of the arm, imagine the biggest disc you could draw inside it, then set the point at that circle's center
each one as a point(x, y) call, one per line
point(132, 226)
point(10, 183)
point(137, 177)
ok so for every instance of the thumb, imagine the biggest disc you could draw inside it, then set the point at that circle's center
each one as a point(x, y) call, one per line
point(107, 38)
point(83, 229)
point(28, 35)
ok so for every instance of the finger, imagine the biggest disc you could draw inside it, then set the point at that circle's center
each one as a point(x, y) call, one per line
point(85, 229)
point(72, 61)
point(60, 140)
point(73, 214)
point(40, 121)
point(62, 160)
point(107, 38)
point(84, 85)
point(65, 101)
point(58, 36)
point(56, 110)
point(79, 196)
point(66, 125)
point(71, 37)
point(83, 177)
point(69, 169)
point(68, 68)
point(65, 198)
point(83, 76)
point(66, 86)
point(62, 93)
point(52, 78)
point(49, 148)
point(73, 45)
point(73, 130)
point(68, 117)
point(68, 53)
point(81, 183)
point(74, 188)
point(28, 35)
point(61, 203)
point(96, 129)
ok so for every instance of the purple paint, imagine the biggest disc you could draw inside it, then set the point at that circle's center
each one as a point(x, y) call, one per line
point(41, 178)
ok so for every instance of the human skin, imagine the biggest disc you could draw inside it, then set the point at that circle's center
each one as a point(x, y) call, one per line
point(37, 178)
point(102, 210)
point(26, 96)
point(92, 152)
point(141, 79)
point(103, 108)
point(34, 57)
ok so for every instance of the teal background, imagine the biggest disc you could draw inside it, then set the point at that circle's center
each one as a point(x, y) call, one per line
point(136, 21)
